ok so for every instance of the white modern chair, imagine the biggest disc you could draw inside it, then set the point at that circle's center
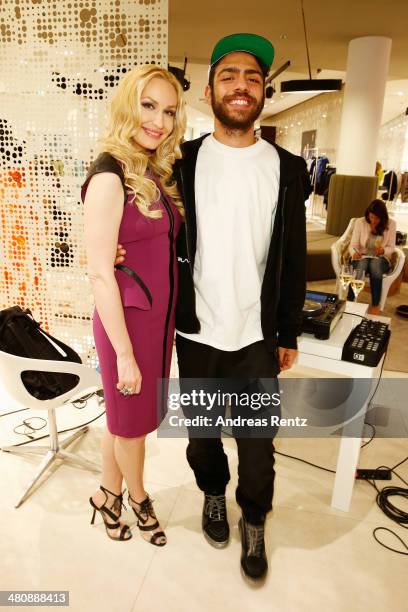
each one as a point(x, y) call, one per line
point(339, 254)
point(11, 367)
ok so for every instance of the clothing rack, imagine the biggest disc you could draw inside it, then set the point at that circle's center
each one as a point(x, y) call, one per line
point(404, 187)
point(314, 152)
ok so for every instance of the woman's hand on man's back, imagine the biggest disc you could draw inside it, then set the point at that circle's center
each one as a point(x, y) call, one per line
point(120, 254)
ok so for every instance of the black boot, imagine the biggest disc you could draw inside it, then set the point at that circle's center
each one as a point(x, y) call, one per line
point(215, 524)
point(253, 557)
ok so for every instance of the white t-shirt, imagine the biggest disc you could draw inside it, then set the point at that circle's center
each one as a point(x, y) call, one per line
point(236, 192)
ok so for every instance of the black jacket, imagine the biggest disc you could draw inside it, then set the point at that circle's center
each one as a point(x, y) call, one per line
point(284, 283)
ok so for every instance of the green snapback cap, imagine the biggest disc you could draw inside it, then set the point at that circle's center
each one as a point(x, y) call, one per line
point(249, 43)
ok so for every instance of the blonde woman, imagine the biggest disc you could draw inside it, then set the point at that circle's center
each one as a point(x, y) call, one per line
point(129, 198)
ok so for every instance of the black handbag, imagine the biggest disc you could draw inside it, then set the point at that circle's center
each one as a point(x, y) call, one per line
point(21, 335)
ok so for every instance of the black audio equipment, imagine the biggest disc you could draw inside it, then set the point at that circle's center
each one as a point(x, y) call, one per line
point(366, 343)
point(321, 313)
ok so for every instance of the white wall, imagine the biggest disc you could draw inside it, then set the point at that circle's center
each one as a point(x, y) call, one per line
point(393, 144)
point(323, 113)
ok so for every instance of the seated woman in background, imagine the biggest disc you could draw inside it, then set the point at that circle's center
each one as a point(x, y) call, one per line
point(371, 246)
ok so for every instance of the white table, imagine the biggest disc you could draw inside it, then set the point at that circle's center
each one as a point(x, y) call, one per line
point(325, 355)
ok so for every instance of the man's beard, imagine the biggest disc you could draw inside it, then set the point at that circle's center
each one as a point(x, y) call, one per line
point(237, 121)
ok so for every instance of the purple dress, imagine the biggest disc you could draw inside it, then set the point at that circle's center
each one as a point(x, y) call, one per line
point(148, 284)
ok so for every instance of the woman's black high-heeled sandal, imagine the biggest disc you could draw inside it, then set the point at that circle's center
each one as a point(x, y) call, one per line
point(144, 511)
point(125, 533)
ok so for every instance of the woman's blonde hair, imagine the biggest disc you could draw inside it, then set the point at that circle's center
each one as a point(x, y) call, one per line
point(124, 123)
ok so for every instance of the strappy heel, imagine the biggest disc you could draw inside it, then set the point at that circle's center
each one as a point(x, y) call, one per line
point(105, 512)
point(143, 513)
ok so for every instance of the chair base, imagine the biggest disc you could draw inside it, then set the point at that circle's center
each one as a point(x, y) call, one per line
point(50, 455)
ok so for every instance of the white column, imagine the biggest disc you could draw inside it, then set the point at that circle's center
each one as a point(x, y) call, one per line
point(367, 70)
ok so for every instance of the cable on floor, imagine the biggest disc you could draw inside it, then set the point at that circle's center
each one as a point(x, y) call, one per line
point(81, 403)
point(394, 513)
point(13, 412)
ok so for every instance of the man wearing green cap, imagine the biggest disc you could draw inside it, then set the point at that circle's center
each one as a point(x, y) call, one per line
point(241, 277)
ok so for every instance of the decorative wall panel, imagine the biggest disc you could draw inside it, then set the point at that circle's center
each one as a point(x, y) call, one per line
point(393, 144)
point(321, 113)
point(59, 64)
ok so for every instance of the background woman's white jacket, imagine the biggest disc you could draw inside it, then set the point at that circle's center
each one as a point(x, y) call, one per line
point(361, 234)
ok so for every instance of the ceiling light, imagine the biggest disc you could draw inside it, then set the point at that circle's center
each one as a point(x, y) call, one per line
point(180, 74)
point(310, 85)
point(269, 85)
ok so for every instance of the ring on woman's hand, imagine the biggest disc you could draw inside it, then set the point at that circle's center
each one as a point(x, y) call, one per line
point(126, 391)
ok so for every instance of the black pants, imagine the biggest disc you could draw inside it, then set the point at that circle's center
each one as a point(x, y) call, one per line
point(206, 455)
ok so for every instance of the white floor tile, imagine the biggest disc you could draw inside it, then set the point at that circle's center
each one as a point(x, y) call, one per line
point(316, 561)
point(48, 543)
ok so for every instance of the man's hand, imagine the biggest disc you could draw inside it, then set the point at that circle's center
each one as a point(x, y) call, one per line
point(120, 254)
point(379, 251)
point(286, 357)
